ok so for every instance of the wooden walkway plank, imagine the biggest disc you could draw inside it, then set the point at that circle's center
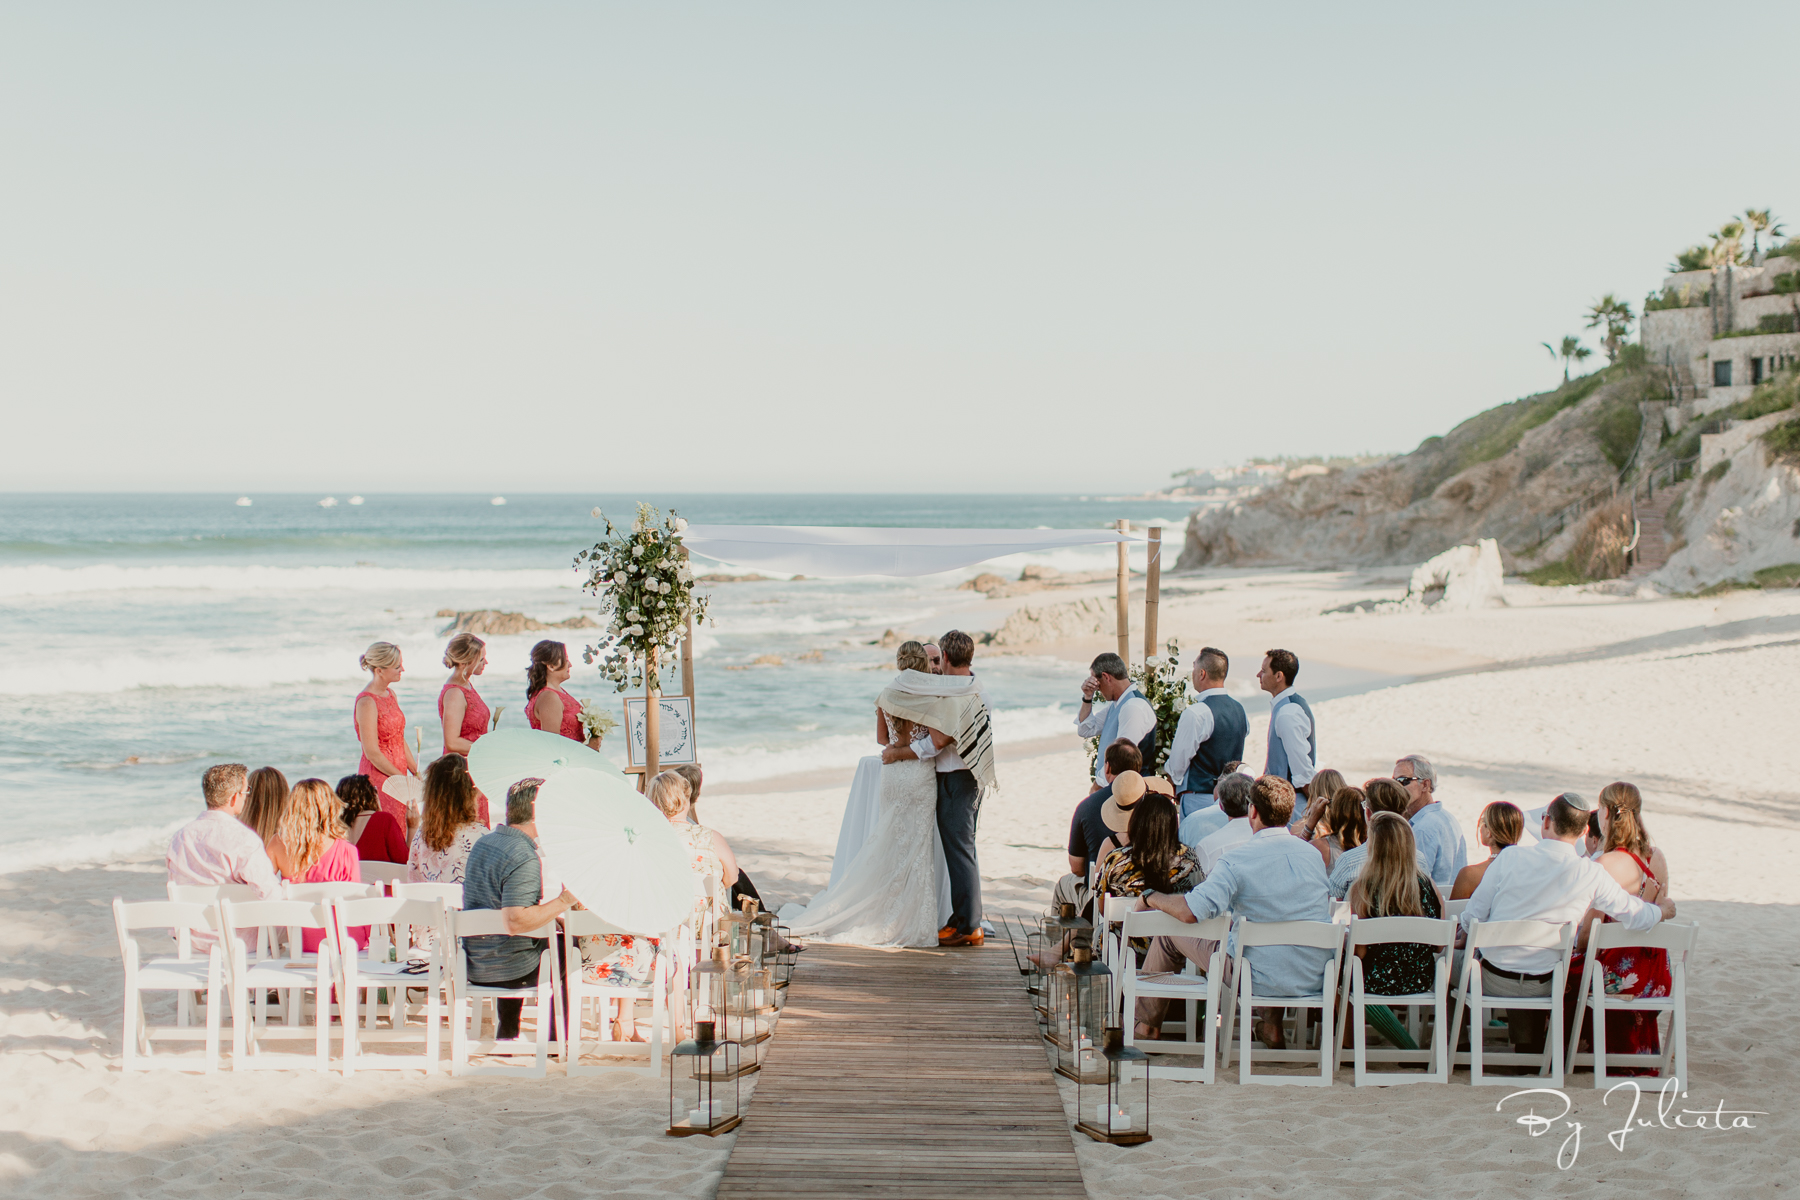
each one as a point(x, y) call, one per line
point(911, 1075)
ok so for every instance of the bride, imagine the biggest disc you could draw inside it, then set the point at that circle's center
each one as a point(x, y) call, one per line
point(887, 895)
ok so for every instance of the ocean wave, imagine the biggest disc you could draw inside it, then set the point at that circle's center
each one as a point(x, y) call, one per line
point(88, 848)
point(41, 580)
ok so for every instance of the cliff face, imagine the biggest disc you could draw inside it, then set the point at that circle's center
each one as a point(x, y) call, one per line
point(1503, 474)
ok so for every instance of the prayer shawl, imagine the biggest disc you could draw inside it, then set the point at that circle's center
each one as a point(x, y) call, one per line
point(949, 704)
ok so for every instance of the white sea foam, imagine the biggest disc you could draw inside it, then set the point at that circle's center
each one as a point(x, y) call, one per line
point(39, 580)
point(83, 849)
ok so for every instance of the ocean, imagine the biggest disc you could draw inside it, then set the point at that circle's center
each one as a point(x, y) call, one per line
point(144, 637)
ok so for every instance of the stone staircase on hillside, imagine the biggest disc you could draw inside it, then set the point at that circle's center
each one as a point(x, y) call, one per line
point(1653, 539)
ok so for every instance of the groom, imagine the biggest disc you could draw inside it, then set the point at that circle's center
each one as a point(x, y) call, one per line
point(958, 800)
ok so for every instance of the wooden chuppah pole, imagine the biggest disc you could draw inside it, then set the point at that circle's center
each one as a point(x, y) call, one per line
point(1152, 589)
point(1124, 526)
point(687, 648)
point(652, 724)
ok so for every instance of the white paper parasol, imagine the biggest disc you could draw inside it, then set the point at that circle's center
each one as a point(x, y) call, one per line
point(502, 758)
point(615, 852)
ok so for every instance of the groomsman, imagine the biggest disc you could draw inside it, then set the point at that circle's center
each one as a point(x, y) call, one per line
point(1209, 735)
point(1128, 714)
point(1293, 737)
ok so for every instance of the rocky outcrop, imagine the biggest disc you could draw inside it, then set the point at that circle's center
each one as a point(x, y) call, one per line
point(492, 622)
point(1737, 522)
point(1032, 624)
point(1459, 579)
point(1508, 474)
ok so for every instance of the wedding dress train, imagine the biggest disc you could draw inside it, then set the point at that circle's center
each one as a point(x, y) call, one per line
point(887, 895)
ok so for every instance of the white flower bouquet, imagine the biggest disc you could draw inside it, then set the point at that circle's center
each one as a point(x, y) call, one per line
point(646, 585)
point(594, 722)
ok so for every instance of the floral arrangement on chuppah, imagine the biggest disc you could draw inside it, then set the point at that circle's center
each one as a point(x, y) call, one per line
point(1165, 686)
point(645, 587)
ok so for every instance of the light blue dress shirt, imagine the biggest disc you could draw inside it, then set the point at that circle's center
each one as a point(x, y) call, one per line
point(1272, 877)
point(1440, 842)
point(1349, 865)
point(1201, 822)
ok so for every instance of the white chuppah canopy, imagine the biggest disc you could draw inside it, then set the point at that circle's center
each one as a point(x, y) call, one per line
point(843, 551)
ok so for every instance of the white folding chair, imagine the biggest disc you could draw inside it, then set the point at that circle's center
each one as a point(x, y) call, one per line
point(1317, 935)
point(362, 976)
point(1525, 935)
point(672, 949)
point(450, 893)
point(181, 974)
point(469, 1000)
point(1109, 936)
point(324, 894)
point(1454, 908)
point(208, 893)
point(1378, 931)
point(385, 873)
point(291, 976)
point(1677, 941)
point(1202, 995)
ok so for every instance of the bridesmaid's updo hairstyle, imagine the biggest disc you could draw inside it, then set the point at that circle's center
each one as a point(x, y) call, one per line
point(545, 656)
point(669, 791)
point(380, 655)
point(911, 657)
point(464, 650)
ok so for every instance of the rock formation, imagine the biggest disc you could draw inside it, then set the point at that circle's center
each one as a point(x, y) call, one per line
point(493, 622)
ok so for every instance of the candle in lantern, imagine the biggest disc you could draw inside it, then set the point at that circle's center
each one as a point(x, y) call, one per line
point(1112, 1116)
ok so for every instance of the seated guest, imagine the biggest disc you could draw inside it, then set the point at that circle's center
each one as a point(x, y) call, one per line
point(1546, 882)
point(1210, 817)
point(1152, 859)
point(1500, 825)
point(218, 847)
point(377, 836)
point(1384, 795)
point(1273, 877)
point(266, 796)
point(1313, 800)
point(450, 826)
point(1115, 814)
point(1630, 971)
point(503, 872)
point(312, 846)
point(1439, 836)
point(1234, 802)
point(1392, 885)
point(742, 886)
point(1088, 831)
point(1345, 825)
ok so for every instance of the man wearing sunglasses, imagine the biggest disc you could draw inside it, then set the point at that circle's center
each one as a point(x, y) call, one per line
point(1438, 837)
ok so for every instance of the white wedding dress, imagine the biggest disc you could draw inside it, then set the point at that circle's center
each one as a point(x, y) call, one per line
point(887, 895)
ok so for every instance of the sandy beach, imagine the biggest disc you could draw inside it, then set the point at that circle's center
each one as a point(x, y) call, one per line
point(1691, 699)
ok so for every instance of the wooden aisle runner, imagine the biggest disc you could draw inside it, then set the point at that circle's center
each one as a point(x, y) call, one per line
point(916, 1074)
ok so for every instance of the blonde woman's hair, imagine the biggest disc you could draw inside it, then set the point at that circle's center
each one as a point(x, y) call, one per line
point(669, 791)
point(1326, 784)
point(1625, 818)
point(464, 650)
point(1389, 883)
point(264, 798)
point(309, 824)
point(380, 654)
point(911, 657)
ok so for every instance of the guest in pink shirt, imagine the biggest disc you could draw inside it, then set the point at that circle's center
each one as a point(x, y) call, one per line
point(313, 847)
point(217, 847)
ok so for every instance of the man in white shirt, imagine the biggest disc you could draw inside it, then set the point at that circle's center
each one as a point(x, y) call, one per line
point(1127, 714)
point(1293, 737)
point(1549, 881)
point(1197, 825)
point(216, 847)
point(1436, 834)
point(1235, 801)
point(1208, 736)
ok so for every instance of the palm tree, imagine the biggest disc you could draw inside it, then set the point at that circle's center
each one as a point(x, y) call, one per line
point(1694, 258)
point(1727, 245)
point(1760, 221)
point(1615, 316)
point(1571, 350)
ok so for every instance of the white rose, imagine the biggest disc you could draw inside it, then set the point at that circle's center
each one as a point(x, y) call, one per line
point(678, 524)
point(634, 630)
point(637, 552)
point(595, 513)
point(621, 578)
point(633, 615)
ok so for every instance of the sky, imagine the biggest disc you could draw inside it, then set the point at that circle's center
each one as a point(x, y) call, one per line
point(829, 247)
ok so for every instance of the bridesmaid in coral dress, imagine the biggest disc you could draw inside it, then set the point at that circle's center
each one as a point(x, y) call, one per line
point(381, 726)
point(461, 710)
point(546, 704)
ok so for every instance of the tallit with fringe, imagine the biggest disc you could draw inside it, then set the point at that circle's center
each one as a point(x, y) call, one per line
point(950, 704)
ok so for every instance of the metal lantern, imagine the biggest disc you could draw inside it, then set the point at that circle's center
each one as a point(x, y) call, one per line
point(739, 1001)
point(1059, 934)
point(704, 1093)
point(1115, 1106)
point(742, 936)
point(1037, 980)
point(1083, 995)
point(779, 960)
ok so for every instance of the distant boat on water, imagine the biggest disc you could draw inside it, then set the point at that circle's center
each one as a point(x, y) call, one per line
point(356, 499)
point(243, 502)
point(328, 502)
point(498, 500)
